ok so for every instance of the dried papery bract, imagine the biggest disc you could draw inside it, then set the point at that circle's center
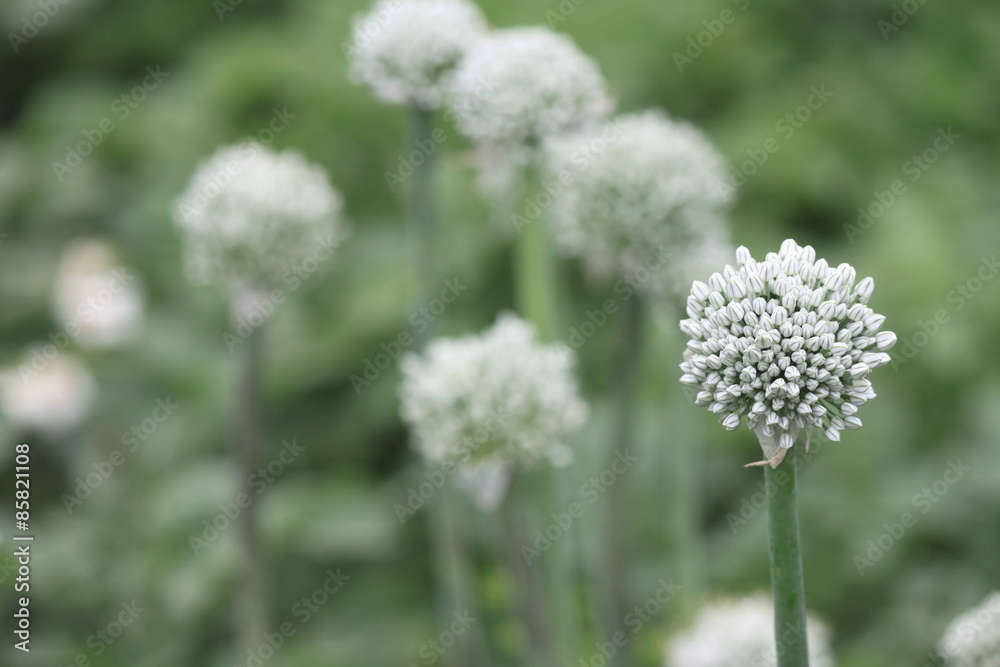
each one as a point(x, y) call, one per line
point(786, 344)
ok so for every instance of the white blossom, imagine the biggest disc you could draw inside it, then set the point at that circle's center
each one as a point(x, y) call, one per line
point(973, 639)
point(496, 399)
point(251, 216)
point(407, 50)
point(740, 633)
point(786, 343)
point(51, 393)
point(97, 301)
point(642, 184)
point(520, 85)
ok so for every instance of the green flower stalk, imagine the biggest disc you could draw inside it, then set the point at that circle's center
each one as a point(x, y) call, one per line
point(737, 633)
point(641, 199)
point(787, 344)
point(246, 218)
point(514, 91)
point(406, 52)
point(500, 403)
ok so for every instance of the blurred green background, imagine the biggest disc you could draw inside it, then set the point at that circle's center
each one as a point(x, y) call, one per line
point(891, 93)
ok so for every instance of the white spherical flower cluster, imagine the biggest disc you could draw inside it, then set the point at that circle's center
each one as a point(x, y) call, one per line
point(520, 85)
point(740, 633)
point(786, 343)
point(500, 398)
point(97, 302)
point(973, 639)
point(50, 394)
point(642, 185)
point(250, 215)
point(407, 50)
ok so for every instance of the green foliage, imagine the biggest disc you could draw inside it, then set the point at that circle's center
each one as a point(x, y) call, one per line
point(333, 507)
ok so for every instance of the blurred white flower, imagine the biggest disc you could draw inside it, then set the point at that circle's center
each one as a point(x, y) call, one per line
point(740, 633)
point(786, 343)
point(497, 399)
point(50, 394)
point(973, 639)
point(97, 302)
point(520, 85)
point(250, 217)
point(407, 50)
point(641, 185)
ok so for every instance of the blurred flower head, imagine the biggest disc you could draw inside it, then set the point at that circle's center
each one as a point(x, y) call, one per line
point(520, 85)
point(973, 639)
point(97, 301)
point(407, 50)
point(786, 343)
point(250, 217)
point(500, 398)
point(642, 184)
point(47, 393)
point(740, 633)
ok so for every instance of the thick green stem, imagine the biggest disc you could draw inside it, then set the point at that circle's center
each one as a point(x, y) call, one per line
point(453, 573)
point(532, 603)
point(421, 217)
point(254, 605)
point(536, 286)
point(684, 470)
point(455, 579)
point(786, 564)
point(618, 525)
point(535, 279)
